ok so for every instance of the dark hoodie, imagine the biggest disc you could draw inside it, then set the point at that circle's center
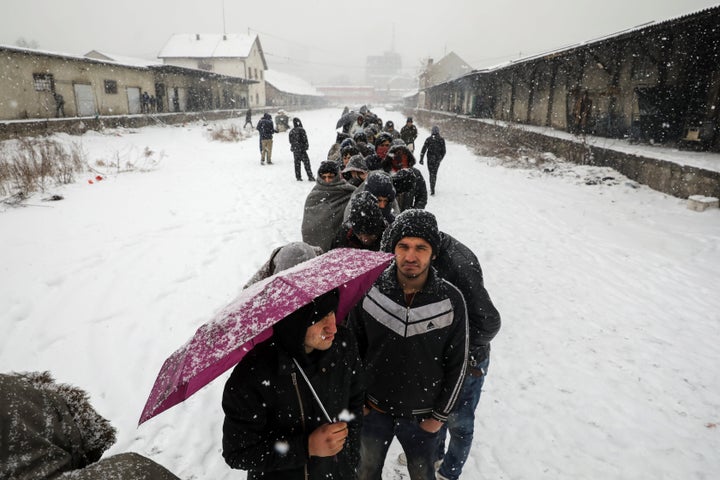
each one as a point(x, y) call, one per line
point(265, 127)
point(408, 181)
point(298, 137)
point(269, 408)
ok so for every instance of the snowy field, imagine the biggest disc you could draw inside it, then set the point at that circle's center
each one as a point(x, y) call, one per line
point(606, 365)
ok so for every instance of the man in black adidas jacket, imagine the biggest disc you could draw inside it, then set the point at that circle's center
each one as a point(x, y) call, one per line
point(412, 334)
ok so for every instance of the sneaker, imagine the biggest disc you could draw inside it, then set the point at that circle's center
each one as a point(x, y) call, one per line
point(311, 179)
point(299, 179)
point(269, 162)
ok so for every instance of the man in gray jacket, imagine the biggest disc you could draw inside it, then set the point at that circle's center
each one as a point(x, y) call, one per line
point(411, 329)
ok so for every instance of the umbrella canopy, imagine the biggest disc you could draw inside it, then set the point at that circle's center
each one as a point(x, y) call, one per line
point(223, 341)
point(347, 118)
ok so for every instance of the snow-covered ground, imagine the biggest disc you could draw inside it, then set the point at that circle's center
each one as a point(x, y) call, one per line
point(606, 365)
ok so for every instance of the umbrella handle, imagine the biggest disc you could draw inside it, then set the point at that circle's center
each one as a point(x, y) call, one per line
point(307, 380)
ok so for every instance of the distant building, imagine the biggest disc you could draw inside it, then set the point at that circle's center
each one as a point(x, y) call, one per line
point(32, 82)
point(283, 89)
point(449, 67)
point(658, 82)
point(351, 95)
point(231, 54)
point(379, 69)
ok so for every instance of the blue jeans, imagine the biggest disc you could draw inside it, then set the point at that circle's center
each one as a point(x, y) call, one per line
point(461, 424)
point(378, 431)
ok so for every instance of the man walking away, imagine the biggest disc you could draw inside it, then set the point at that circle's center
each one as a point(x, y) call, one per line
point(299, 146)
point(435, 147)
point(412, 335)
point(248, 118)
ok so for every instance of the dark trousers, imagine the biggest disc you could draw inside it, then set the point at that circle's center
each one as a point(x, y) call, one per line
point(461, 424)
point(433, 167)
point(302, 157)
point(419, 446)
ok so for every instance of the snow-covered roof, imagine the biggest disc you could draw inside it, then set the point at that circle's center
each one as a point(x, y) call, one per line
point(208, 45)
point(122, 59)
point(92, 56)
point(290, 84)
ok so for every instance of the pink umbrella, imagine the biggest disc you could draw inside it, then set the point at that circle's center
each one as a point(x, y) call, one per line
point(223, 341)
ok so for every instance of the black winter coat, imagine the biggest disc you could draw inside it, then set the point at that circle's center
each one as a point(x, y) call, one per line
point(266, 128)
point(408, 133)
point(457, 264)
point(417, 196)
point(346, 238)
point(298, 139)
point(435, 147)
point(415, 355)
point(270, 411)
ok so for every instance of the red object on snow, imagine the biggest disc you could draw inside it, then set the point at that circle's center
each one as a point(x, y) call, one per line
point(90, 182)
point(98, 178)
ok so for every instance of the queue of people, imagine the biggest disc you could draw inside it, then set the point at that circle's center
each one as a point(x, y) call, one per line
point(411, 358)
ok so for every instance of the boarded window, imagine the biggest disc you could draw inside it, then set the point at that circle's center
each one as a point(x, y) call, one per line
point(111, 86)
point(43, 82)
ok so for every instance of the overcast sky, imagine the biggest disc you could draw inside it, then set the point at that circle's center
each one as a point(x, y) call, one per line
point(332, 38)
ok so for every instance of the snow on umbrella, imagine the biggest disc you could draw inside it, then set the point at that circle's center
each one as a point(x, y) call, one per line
point(223, 341)
point(347, 118)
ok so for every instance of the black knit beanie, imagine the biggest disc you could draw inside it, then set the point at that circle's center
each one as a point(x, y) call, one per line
point(380, 184)
point(412, 223)
point(365, 214)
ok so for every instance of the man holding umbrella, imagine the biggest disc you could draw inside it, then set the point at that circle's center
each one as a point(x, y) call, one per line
point(293, 405)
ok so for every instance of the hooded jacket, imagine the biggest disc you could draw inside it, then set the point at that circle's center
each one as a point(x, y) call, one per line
point(323, 211)
point(265, 127)
point(434, 146)
point(415, 355)
point(270, 411)
point(408, 133)
point(400, 161)
point(297, 137)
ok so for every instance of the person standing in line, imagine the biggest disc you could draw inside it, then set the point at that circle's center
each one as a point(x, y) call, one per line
point(435, 147)
point(409, 133)
point(248, 118)
point(411, 329)
point(275, 427)
point(267, 129)
point(324, 207)
point(365, 225)
point(457, 264)
point(299, 146)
